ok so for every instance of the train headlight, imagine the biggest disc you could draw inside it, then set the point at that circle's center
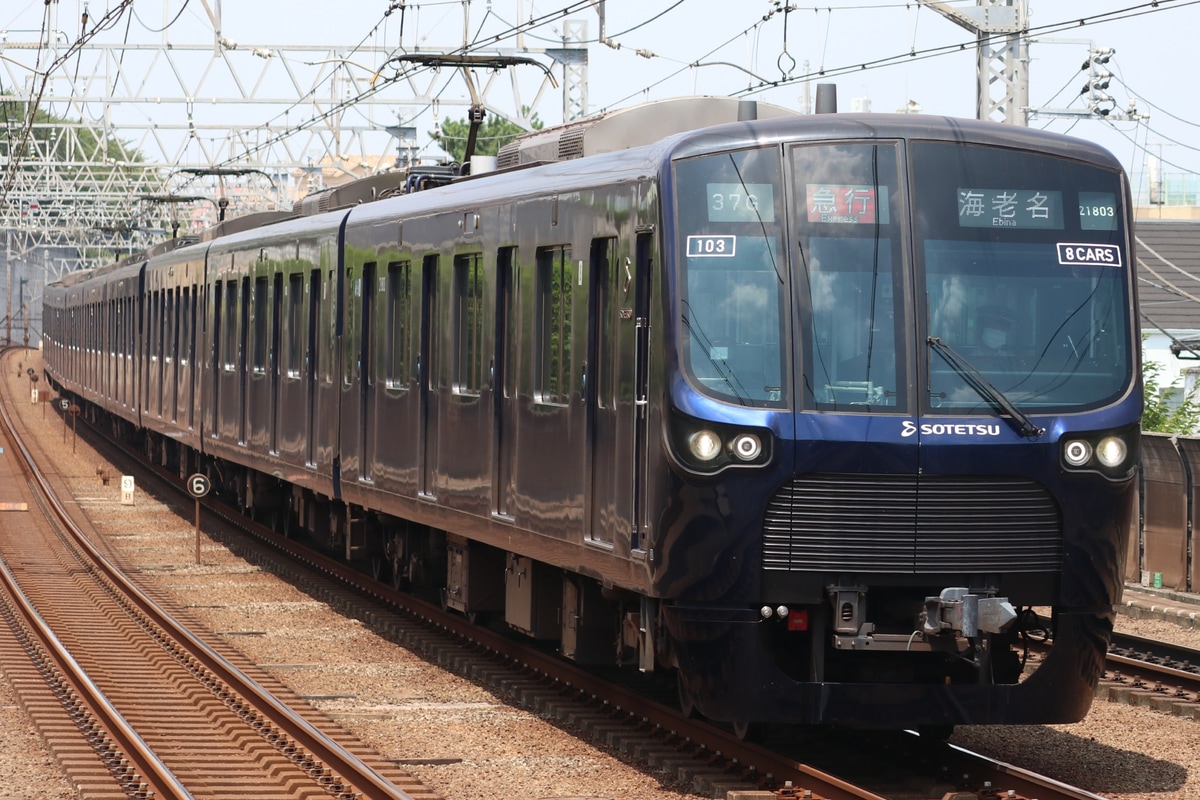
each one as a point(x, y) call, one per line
point(1077, 452)
point(705, 445)
point(1112, 451)
point(747, 446)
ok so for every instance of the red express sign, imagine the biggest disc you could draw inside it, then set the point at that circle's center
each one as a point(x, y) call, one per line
point(846, 205)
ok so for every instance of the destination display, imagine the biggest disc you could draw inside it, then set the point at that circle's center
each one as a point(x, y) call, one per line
point(847, 204)
point(1097, 211)
point(1010, 208)
point(741, 202)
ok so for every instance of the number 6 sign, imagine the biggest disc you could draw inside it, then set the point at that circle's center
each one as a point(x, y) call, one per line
point(198, 485)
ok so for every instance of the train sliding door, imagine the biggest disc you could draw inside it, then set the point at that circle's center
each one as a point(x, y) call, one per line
point(611, 394)
point(366, 374)
point(550, 447)
point(426, 380)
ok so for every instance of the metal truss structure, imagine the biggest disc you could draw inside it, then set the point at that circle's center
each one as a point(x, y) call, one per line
point(1002, 60)
point(135, 141)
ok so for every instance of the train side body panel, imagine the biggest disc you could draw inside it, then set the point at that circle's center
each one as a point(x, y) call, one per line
point(268, 394)
point(454, 411)
point(173, 287)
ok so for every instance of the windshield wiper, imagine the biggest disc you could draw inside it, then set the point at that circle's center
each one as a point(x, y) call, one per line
point(1020, 420)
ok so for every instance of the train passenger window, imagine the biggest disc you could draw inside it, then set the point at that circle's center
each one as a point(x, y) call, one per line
point(849, 254)
point(553, 363)
point(733, 276)
point(399, 324)
point(468, 324)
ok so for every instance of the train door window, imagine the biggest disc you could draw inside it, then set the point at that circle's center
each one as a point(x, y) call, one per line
point(366, 331)
point(295, 324)
point(229, 341)
point(607, 282)
point(555, 280)
point(468, 324)
point(170, 326)
point(848, 218)
point(186, 316)
point(110, 350)
point(176, 320)
point(153, 327)
point(259, 324)
point(399, 324)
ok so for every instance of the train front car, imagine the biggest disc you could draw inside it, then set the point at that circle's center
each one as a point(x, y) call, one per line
point(905, 421)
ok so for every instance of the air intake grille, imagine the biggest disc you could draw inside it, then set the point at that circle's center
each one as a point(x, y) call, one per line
point(910, 525)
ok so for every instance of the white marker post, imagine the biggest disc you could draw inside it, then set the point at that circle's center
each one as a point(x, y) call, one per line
point(127, 487)
point(198, 485)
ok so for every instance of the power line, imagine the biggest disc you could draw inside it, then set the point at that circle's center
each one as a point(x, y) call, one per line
point(1131, 12)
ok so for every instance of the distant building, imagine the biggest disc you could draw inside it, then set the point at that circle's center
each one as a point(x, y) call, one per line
point(1167, 253)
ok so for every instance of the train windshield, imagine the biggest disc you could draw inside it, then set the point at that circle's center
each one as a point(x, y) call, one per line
point(1019, 273)
point(735, 287)
point(1023, 264)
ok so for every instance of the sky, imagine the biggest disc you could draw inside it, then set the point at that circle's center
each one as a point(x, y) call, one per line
point(888, 53)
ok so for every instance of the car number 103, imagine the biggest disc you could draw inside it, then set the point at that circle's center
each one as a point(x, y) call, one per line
point(711, 246)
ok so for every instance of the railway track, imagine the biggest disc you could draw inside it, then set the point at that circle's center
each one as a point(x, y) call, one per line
point(137, 705)
point(1153, 673)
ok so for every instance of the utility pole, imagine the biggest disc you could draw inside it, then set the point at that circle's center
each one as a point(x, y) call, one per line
point(1002, 60)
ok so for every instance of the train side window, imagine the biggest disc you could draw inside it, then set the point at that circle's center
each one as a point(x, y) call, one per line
point(399, 323)
point(553, 361)
point(468, 324)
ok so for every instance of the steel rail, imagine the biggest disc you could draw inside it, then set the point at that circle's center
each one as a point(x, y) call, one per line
point(148, 765)
point(361, 776)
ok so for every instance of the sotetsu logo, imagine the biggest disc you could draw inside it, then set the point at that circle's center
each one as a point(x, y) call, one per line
point(908, 428)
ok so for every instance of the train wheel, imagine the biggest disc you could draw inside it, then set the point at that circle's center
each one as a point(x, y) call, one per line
point(379, 567)
point(753, 732)
point(685, 699)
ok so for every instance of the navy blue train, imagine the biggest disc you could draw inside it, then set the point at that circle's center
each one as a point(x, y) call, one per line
point(817, 411)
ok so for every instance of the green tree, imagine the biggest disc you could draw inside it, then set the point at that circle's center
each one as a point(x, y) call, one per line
point(494, 133)
point(1158, 414)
